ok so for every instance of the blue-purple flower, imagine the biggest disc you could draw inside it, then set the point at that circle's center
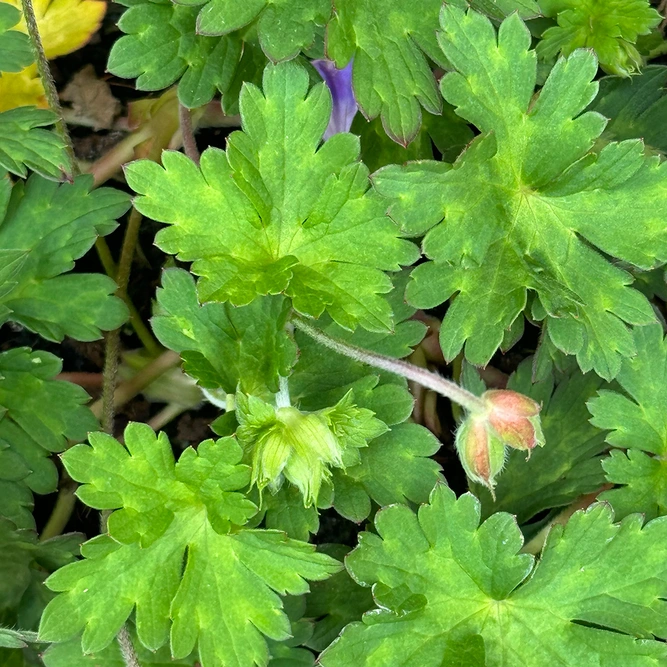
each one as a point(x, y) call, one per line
point(340, 85)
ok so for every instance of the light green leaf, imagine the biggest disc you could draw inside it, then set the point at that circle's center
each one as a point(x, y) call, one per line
point(500, 9)
point(37, 417)
point(24, 145)
point(636, 106)
point(392, 77)
point(637, 419)
point(162, 46)
point(335, 602)
point(284, 27)
point(440, 580)
point(176, 553)
point(284, 510)
point(527, 205)
point(44, 227)
point(15, 49)
point(276, 214)
point(568, 466)
point(222, 346)
point(610, 27)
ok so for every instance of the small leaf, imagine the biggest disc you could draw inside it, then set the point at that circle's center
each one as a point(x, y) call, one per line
point(24, 145)
point(15, 49)
point(44, 227)
point(162, 46)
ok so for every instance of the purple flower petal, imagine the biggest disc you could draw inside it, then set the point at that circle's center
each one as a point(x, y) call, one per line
point(340, 85)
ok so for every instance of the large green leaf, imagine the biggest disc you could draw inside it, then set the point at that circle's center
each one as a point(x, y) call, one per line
point(24, 144)
point(37, 416)
point(569, 465)
point(440, 581)
point(637, 419)
point(276, 212)
point(222, 346)
point(44, 227)
point(610, 27)
point(161, 46)
point(527, 205)
point(15, 49)
point(176, 555)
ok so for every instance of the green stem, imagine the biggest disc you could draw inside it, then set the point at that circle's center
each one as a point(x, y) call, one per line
point(62, 511)
point(424, 377)
point(48, 83)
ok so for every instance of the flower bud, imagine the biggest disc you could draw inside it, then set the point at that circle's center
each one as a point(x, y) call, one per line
point(515, 418)
point(507, 419)
point(481, 451)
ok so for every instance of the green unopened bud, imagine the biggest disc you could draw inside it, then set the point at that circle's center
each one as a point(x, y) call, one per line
point(285, 443)
point(481, 451)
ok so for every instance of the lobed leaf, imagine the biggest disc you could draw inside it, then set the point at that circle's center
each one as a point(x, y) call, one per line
point(25, 145)
point(176, 555)
point(15, 49)
point(442, 584)
point(161, 46)
point(277, 213)
point(637, 420)
point(529, 207)
point(44, 227)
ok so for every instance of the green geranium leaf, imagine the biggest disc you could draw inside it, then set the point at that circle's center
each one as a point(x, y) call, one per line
point(162, 46)
point(442, 583)
point(568, 466)
point(16, 638)
point(610, 27)
point(284, 510)
point(284, 27)
point(37, 416)
point(178, 528)
point(15, 49)
point(637, 419)
point(335, 602)
point(275, 213)
point(636, 106)
point(392, 77)
point(527, 203)
point(223, 346)
point(44, 227)
point(500, 9)
point(25, 145)
point(16, 503)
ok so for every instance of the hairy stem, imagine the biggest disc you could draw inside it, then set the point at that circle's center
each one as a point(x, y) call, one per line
point(129, 389)
point(187, 132)
point(424, 377)
point(48, 83)
point(126, 648)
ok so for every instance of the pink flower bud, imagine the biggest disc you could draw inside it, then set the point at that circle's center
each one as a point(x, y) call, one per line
point(515, 418)
point(481, 451)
